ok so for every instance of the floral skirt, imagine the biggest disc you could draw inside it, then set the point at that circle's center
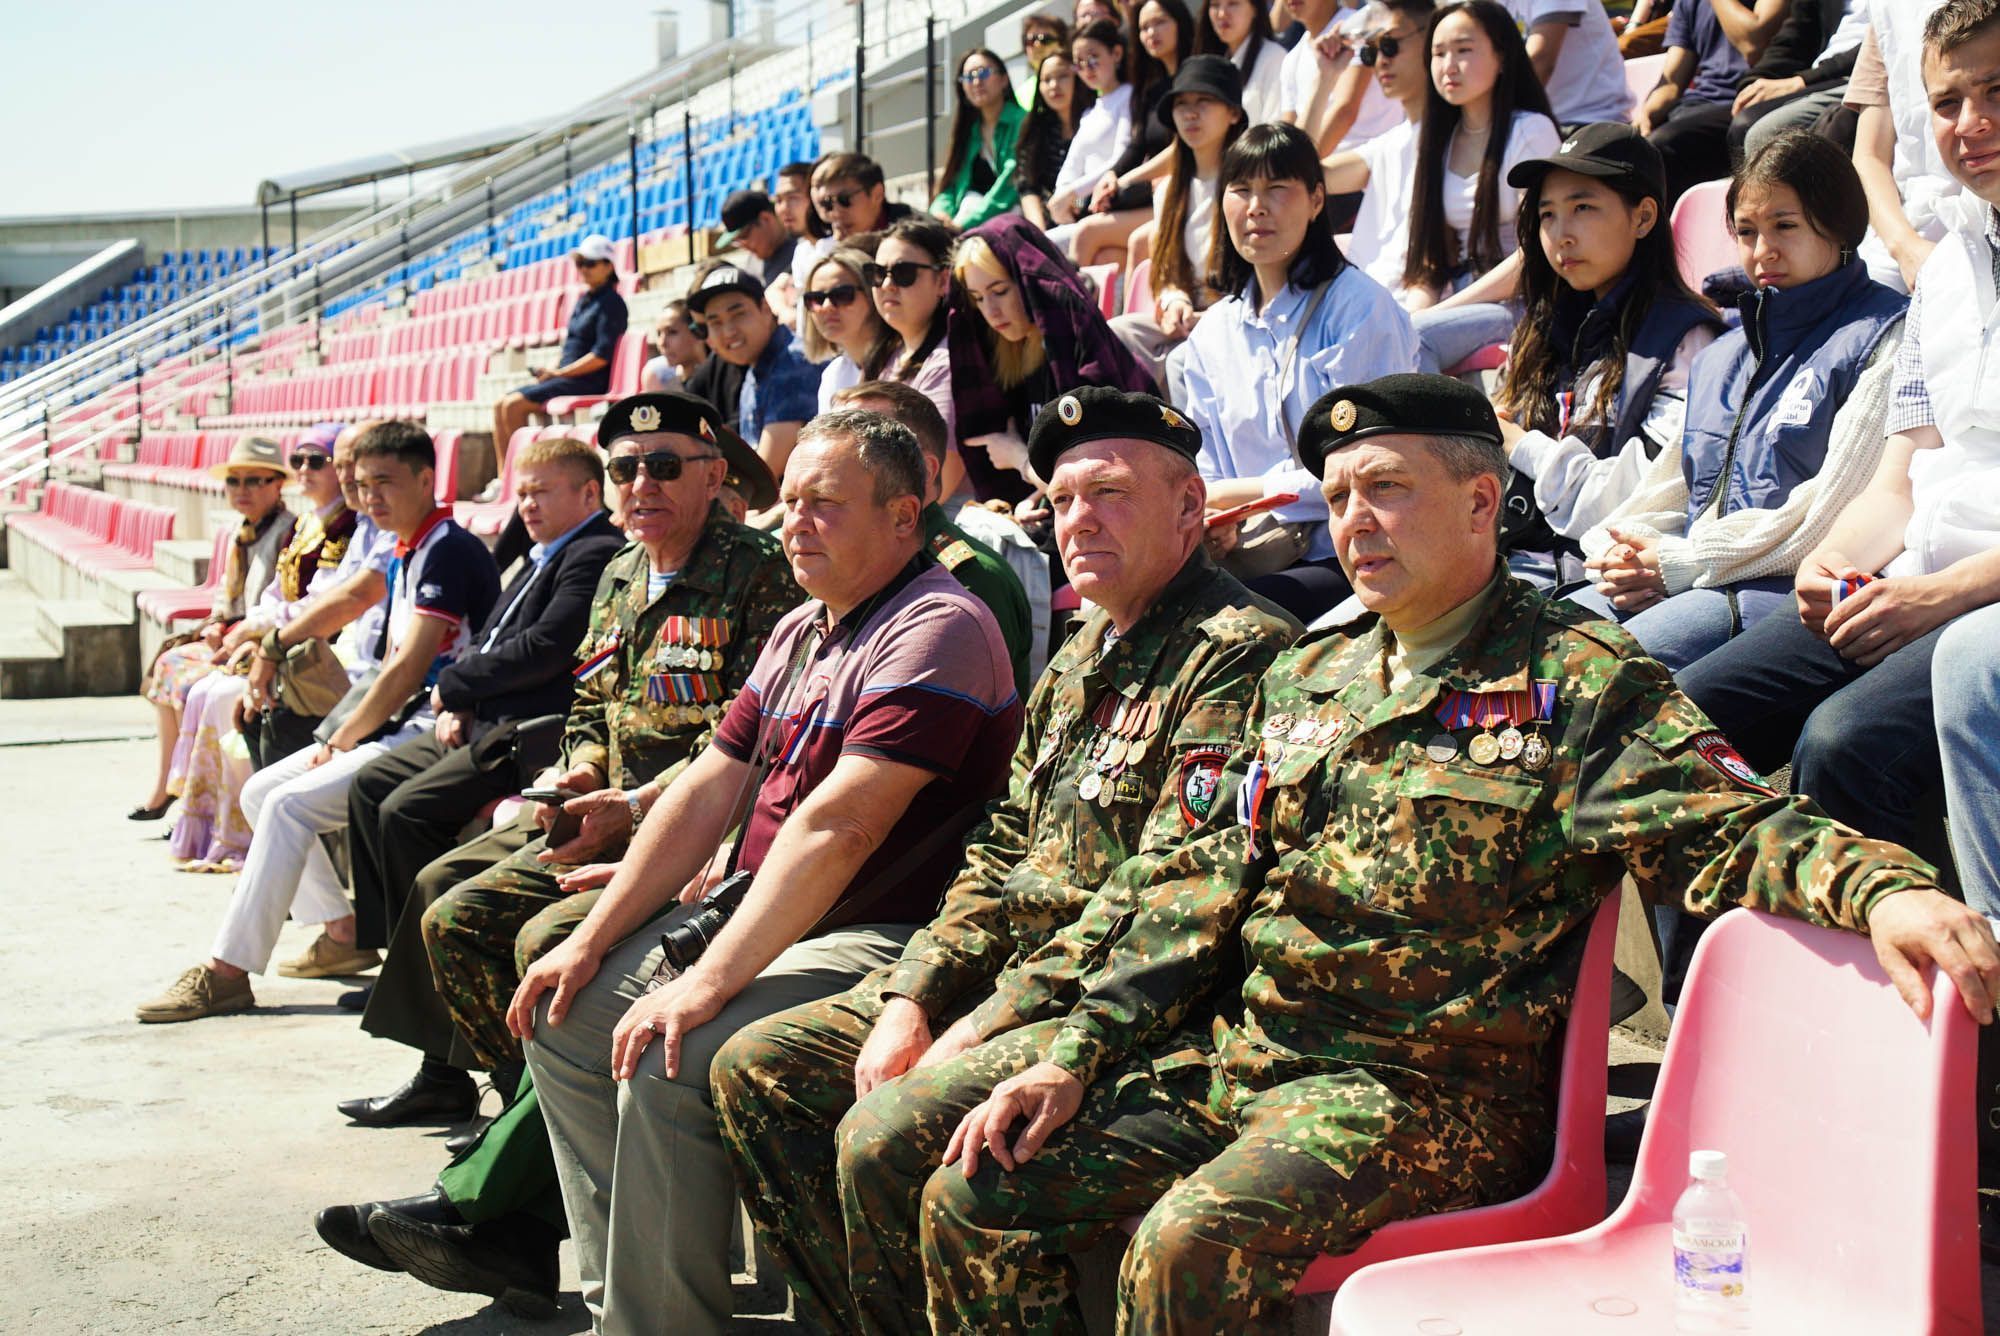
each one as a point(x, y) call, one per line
point(209, 769)
point(175, 672)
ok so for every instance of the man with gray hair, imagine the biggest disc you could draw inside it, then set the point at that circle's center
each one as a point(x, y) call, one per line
point(1428, 807)
point(877, 722)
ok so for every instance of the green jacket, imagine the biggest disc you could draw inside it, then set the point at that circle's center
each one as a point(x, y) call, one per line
point(963, 205)
point(643, 713)
point(1185, 672)
point(988, 578)
point(1409, 907)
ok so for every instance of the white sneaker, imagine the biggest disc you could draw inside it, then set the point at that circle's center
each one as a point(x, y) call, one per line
point(490, 492)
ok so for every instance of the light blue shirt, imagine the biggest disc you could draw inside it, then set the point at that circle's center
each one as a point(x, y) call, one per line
point(1238, 382)
point(371, 548)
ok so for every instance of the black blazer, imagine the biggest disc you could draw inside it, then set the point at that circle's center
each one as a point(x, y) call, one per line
point(527, 672)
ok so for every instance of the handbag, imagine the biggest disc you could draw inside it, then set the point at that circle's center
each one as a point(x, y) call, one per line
point(311, 680)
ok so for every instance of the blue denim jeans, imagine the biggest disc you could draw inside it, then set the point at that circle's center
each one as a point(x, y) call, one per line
point(1965, 684)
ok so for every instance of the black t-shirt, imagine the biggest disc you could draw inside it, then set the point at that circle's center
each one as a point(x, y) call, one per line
point(720, 383)
point(596, 323)
point(780, 262)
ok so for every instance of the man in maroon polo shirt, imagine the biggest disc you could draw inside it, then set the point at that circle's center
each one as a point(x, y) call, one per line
point(883, 715)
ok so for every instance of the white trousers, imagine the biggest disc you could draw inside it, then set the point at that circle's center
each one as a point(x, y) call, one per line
point(289, 805)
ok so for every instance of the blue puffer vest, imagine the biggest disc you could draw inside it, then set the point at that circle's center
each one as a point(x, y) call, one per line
point(1583, 334)
point(1761, 399)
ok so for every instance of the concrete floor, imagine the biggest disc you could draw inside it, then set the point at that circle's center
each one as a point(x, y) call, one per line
point(163, 1178)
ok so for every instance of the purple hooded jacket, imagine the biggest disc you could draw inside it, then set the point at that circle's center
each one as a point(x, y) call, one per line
point(1077, 343)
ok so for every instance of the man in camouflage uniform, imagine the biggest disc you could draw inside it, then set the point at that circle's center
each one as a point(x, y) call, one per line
point(659, 661)
point(1429, 806)
point(1125, 735)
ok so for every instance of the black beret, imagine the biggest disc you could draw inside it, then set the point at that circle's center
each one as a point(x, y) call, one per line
point(1100, 413)
point(1405, 404)
point(688, 415)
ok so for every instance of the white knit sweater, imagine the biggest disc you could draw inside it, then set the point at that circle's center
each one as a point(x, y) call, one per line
point(1749, 544)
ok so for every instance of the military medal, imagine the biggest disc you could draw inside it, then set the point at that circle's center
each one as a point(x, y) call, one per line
point(1149, 720)
point(1277, 726)
point(1302, 732)
point(1511, 742)
point(1329, 730)
point(1535, 751)
point(1455, 713)
point(1441, 748)
point(1090, 786)
point(1484, 749)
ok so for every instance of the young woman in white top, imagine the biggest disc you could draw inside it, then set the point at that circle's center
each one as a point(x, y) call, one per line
point(1241, 30)
point(1098, 51)
point(1203, 106)
point(838, 324)
point(1384, 169)
point(910, 279)
point(1485, 112)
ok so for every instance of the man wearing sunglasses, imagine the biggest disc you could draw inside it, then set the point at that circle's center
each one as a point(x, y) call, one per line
point(596, 323)
point(780, 390)
point(1397, 57)
point(848, 193)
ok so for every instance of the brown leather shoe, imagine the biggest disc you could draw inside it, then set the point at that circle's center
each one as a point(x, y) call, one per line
point(328, 959)
point(198, 992)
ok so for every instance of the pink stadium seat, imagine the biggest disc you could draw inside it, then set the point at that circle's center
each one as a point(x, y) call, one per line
point(1139, 289)
point(1702, 236)
point(626, 362)
point(1642, 74)
point(446, 444)
point(1105, 276)
point(1490, 358)
point(168, 606)
point(1849, 1126)
point(487, 518)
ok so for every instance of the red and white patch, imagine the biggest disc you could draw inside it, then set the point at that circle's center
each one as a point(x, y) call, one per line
point(1201, 777)
point(1716, 750)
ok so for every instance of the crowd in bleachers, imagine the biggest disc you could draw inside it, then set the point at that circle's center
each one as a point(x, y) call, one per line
point(1045, 554)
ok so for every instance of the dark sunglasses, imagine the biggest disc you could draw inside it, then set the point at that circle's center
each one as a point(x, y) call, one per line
point(1044, 39)
point(660, 466)
point(976, 76)
point(899, 275)
point(836, 201)
point(251, 480)
point(697, 328)
point(308, 459)
point(1383, 46)
point(840, 294)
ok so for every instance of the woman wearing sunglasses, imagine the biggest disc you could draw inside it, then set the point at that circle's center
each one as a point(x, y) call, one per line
point(977, 181)
point(1024, 327)
point(1241, 30)
point(840, 329)
point(910, 280)
point(1098, 52)
point(1061, 99)
point(1122, 199)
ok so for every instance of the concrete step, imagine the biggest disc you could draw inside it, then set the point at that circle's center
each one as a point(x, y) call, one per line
point(183, 561)
point(100, 648)
point(120, 590)
point(31, 668)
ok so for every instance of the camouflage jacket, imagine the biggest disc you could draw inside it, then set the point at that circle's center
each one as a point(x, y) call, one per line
point(650, 704)
point(1409, 906)
point(1177, 685)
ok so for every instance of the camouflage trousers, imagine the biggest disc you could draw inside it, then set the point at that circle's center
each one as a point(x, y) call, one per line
point(1240, 1192)
point(833, 1186)
point(483, 933)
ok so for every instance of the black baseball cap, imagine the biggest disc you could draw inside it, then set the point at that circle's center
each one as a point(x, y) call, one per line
point(1214, 75)
point(739, 211)
point(1611, 151)
point(1101, 413)
point(724, 278)
point(1405, 404)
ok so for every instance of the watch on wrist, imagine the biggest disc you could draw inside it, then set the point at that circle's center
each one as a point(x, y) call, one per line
point(638, 812)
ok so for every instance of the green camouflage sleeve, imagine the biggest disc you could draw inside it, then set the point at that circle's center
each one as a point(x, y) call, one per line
point(1145, 948)
point(972, 937)
point(1662, 787)
point(586, 732)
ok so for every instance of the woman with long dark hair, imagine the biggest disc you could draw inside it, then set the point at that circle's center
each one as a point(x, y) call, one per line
point(1241, 30)
point(839, 328)
point(1298, 321)
point(911, 279)
point(977, 180)
point(1024, 328)
point(1102, 131)
point(1061, 99)
point(1123, 197)
point(1485, 112)
point(1784, 424)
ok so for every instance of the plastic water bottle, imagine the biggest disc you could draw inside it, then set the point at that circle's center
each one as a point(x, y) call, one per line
point(1711, 1250)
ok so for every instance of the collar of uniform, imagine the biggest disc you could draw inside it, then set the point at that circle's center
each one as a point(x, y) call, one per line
point(1476, 664)
point(1130, 660)
point(702, 571)
point(1491, 656)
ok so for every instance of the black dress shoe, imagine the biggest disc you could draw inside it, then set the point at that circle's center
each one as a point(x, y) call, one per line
point(421, 1099)
point(355, 999)
point(515, 1264)
point(345, 1228)
point(458, 1143)
point(149, 813)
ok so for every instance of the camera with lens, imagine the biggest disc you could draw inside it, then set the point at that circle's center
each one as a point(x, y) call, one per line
point(685, 941)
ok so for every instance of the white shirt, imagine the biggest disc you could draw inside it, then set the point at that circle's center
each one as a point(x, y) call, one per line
point(839, 374)
point(1101, 135)
point(1301, 73)
point(1588, 82)
point(1263, 83)
point(1239, 383)
point(1533, 135)
point(1380, 241)
point(1199, 228)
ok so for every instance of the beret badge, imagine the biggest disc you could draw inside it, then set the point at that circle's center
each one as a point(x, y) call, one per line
point(645, 417)
point(707, 432)
point(1342, 416)
point(1070, 410)
point(1173, 419)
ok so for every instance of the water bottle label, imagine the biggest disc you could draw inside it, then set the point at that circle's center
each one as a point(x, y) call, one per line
point(1709, 1264)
